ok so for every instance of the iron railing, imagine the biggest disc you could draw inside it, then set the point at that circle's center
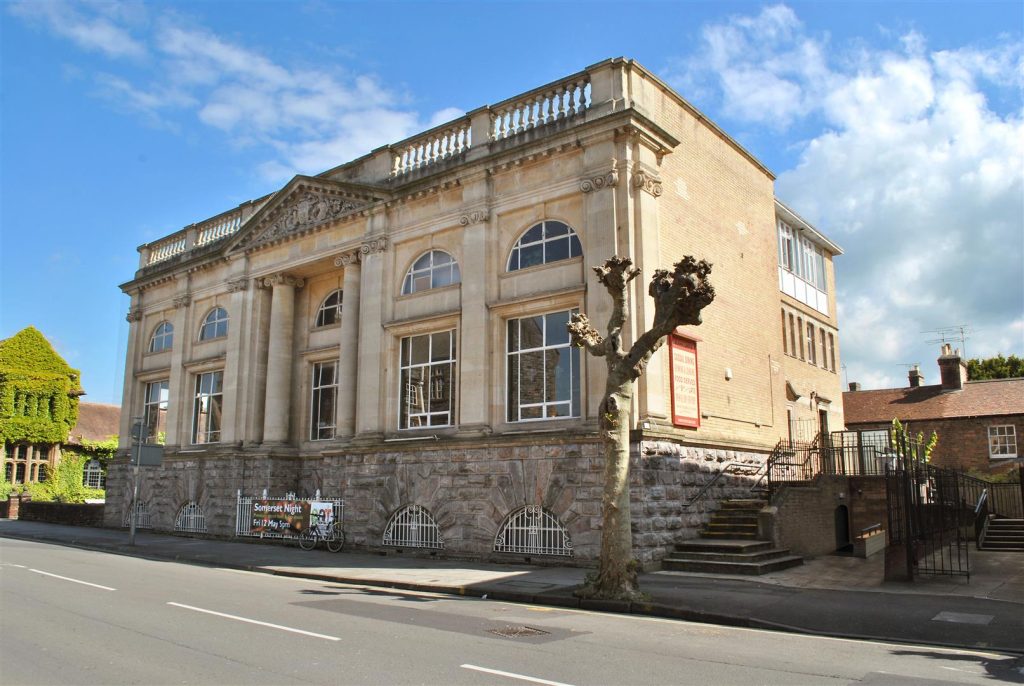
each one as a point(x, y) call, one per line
point(190, 519)
point(413, 527)
point(981, 519)
point(533, 530)
point(740, 468)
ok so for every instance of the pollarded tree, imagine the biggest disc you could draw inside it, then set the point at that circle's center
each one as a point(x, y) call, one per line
point(679, 296)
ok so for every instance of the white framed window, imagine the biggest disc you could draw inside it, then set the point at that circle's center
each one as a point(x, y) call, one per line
point(206, 409)
point(427, 380)
point(215, 325)
point(812, 354)
point(324, 396)
point(1002, 441)
point(329, 311)
point(154, 410)
point(787, 251)
point(92, 475)
point(163, 337)
point(434, 269)
point(543, 370)
point(544, 243)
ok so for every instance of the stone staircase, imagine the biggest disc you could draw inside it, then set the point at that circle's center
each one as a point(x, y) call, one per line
point(729, 545)
point(1004, 534)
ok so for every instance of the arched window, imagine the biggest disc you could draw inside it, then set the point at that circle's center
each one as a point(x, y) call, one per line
point(143, 518)
point(330, 309)
point(190, 519)
point(432, 270)
point(533, 530)
point(215, 325)
point(413, 527)
point(92, 475)
point(544, 243)
point(163, 337)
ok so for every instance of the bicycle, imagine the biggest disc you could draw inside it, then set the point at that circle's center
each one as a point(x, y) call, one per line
point(331, 534)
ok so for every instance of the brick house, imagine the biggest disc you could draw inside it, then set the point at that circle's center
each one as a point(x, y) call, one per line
point(393, 330)
point(979, 423)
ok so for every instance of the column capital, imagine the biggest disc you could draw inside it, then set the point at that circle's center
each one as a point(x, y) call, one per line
point(374, 245)
point(477, 216)
point(606, 179)
point(281, 279)
point(647, 180)
point(134, 315)
point(347, 259)
point(238, 284)
point(184, 300)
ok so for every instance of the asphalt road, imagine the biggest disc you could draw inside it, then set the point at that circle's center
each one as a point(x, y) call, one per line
point(71, 616)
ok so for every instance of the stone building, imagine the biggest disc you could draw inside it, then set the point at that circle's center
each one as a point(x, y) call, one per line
point(392, 330)
point(979, 423)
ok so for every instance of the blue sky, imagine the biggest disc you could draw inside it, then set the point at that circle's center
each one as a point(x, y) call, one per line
point(897, 128)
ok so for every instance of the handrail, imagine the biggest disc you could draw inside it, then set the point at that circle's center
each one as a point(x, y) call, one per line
point(981, 519)
point(725, 468)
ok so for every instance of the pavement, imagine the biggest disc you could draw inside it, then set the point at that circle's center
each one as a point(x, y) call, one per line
point(830, 595)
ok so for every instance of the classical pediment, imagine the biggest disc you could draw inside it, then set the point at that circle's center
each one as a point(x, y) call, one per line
point(304, 204)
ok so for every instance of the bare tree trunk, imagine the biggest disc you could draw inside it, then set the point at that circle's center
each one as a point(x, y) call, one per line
point(617, 573)
point(679, 296)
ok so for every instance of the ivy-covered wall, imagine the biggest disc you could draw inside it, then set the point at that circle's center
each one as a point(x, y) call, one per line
point(38, 390)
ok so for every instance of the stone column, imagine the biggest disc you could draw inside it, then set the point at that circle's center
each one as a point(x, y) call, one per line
point(473, 352)
point(235, 372)
point(179, 398)
point(279, 358)
point(369, 425)
point(348, 349)
point(646, 185)
point(129, 400)
point(600, 208)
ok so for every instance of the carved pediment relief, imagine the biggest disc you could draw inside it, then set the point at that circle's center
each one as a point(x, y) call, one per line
point(304, 204)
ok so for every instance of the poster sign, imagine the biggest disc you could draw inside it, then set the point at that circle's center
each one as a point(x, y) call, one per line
point(685, 392)
point(321, 514)
point(280, 516)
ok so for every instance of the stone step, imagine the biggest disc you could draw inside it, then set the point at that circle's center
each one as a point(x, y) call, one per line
point(737, 536)
point(1009, 538)
point(723, 545)
point(1002, 545)
point(730, 526)
point(744, 504)
point(1006, 521)
point(744, 568)
point(701, 556)
point(736, 516)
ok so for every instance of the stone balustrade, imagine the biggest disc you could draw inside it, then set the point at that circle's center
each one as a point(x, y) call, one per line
point(440, 143)
point(215, 229)
point(562, 99)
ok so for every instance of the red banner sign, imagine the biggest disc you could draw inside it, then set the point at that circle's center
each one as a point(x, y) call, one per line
point(685, 387)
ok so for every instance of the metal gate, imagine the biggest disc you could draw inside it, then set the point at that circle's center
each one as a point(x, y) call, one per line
point(928, 516)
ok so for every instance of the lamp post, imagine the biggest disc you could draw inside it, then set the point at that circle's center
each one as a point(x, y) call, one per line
point(138, 437)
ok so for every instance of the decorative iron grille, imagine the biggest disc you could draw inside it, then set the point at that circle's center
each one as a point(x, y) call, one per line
point(191, 519)
point(413, 527)
point(533, 530)
point(143, 519)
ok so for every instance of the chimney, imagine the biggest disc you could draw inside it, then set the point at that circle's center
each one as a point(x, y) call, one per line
point(952, 369)
point(916, 377)
point(854, 386)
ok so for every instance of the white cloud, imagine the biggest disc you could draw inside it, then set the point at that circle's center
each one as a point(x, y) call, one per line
point(912, 169)
point(309, 119)
point(97, 33)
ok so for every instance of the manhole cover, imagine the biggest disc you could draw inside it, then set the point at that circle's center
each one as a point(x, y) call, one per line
point(517, 631)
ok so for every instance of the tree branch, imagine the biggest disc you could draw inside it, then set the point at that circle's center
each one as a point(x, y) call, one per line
point(615, 275)
point(583, 335)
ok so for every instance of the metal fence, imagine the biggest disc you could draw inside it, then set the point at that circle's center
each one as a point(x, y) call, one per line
point(244, 513)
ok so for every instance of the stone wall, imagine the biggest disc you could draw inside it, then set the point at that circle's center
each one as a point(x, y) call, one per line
point(469, 491)
point(62, 513)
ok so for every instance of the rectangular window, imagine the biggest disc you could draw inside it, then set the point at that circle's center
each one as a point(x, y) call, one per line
point(831, 353)
point(206, 412)
point(824, 348)
point(792, 336)
point(799, 333)
point(785, 343)
point(154, 412)
point(427, 383)
point(325, 393)
point(1002, 441)
point(812, 353)
point(543, 377)
point(786, 252)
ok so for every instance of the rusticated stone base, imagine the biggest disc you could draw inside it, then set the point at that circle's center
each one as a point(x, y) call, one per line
point(469, 491)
